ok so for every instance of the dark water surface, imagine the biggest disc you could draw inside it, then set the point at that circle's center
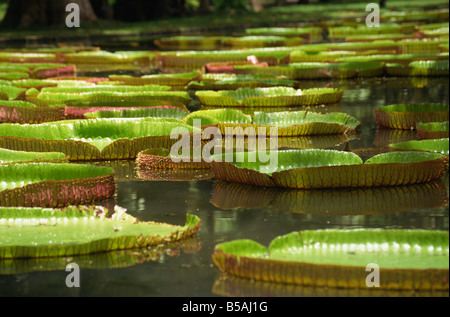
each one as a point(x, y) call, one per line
point(230, 211)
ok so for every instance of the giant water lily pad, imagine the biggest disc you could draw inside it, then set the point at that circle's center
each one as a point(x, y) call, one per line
point(432, 145)
point(77, 231)
point(313, 32)
point(288, 123)
point(54, 184)
point(177, 80)
point(261, 41)
point(77, 109)
point(407, 259)
point(407, 116)
point(317, 70)
point(271, 55)
point(328, 168)
point(160, 158)
point(156, 111)
point(189, 42)
point(269, 97)
point(433, 130)
point(419, 68)
point(18, 111)
point(9, 156)
point(233, 82)
point(94, 139)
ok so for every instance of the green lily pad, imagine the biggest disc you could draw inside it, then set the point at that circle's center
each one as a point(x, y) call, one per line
point(253, 41)
point(419, 68)
point(328, 168)
point(81, 230)
point(54, 184)
point(407, 116)
point(9, 156)
point(407, 259)
point(114, 138)
point(177, 80)
point(18, 111)
point(157, 111)
point(432, 145)
point(433, 130)
point(269, 97)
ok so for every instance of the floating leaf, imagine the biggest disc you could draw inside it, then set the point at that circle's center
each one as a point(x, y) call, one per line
point(9, 156)
point(18, 111)
point(157, 111)
point(76, 231)
point(407, 116)
point(93, 139)
point(269, 97)
point(160, 158)
point(328, 168)
point(432, 145)
point(433, 130)
point(177, 80)
point(54, 184)
point(407, 259)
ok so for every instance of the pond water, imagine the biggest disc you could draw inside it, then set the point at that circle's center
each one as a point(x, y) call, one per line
point(231, 212)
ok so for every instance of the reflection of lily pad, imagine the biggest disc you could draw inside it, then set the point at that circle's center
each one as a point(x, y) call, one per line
point(233, 286)
point(54, 184)
point(385, 136)
point(328, 168)
point(407, 116)
point(81, 230)
point(102, 260)
point(269, 97)
point(407, 259)
point(433, 130)
point(352, 201)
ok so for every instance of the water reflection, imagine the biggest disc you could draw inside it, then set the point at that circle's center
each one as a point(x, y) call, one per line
point(104, 260)
point(231, 286)
point(357, 201)
point(384, 136)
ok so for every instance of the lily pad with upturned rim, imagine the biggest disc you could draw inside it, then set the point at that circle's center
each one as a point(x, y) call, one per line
point(19, 111)
point(95, 139)
point(54, 184)
point(407, 116)
point(9, 156)
point(433, 130)
point(306, 169)
point(431, 145)
point(83, 230)
point(407, 259)
point(267, 97)
point(178, 80)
